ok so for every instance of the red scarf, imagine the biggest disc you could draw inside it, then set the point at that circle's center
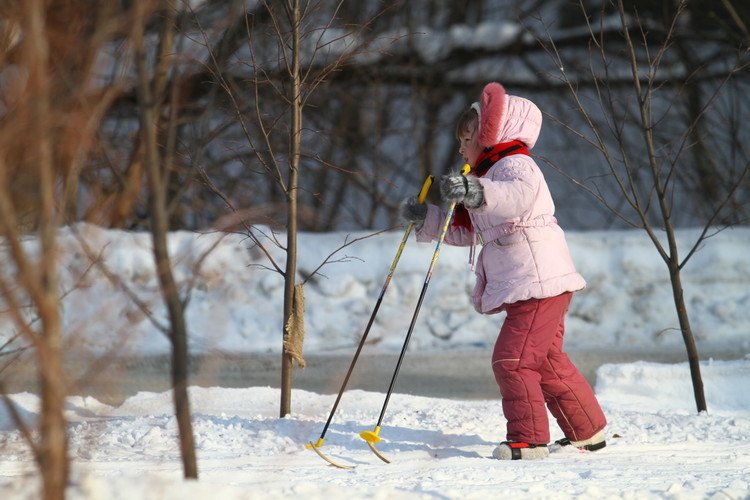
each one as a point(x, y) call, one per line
point(486, 159)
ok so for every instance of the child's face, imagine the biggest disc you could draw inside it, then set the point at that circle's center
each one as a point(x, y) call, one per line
point(468, 147)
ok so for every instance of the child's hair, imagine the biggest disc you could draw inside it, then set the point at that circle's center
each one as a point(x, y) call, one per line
point(467, 123)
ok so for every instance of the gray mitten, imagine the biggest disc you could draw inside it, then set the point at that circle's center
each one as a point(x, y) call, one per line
point(453, 188)
point(456, 188)
point(413, 212)
point(474, 193)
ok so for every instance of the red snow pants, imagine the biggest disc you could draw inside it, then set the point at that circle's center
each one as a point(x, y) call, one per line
point(532, 371)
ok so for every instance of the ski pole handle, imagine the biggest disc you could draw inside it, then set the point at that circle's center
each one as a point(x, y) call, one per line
point(464, 170)
point(422, 196)
point(425, 188)
point(451, 209)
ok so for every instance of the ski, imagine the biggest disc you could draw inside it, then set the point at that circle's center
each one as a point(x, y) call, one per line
point(377, 453)
point(316, 448)
point(372, 437)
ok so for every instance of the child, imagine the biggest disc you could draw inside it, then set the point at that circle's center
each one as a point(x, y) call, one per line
point(524, 269)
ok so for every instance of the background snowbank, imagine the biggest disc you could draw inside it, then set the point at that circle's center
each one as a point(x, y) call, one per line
point(235, 301)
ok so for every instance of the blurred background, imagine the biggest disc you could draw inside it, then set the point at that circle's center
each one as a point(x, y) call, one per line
point(383, 84)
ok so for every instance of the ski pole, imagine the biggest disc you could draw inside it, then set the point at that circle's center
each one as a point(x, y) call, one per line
point(422, 196)
point(373, 436)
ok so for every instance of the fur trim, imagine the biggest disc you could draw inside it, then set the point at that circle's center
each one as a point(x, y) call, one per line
point(492, 105)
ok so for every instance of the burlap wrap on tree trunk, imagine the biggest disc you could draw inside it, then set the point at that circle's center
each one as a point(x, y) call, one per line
point(295, 327)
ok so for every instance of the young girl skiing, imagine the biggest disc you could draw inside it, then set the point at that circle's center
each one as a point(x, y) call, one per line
point(524, 269)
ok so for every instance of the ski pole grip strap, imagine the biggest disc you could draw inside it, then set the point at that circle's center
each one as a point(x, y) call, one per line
point(465, 170)
point(425, 188)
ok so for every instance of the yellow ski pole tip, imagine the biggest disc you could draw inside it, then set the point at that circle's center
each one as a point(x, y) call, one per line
point(371, 436)
point(310, 445)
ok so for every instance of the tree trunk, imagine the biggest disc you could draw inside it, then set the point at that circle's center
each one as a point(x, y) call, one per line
point(155, 170)
point(53, 456)
point(687, 337)
point(54, 462)
point(178, 330)
point(178, 337)
point(290, 273)
point(53, 446)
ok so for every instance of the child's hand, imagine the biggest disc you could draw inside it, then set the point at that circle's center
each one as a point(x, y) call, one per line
point(453, 188)
point(413, 212)
point(456, 188)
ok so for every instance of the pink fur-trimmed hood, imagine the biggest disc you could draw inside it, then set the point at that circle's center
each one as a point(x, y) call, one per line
point(505, 118)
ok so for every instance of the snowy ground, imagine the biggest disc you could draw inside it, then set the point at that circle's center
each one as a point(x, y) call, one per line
point(658, 446)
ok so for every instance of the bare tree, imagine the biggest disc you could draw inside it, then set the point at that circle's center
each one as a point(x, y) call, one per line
point(48, 117)
point(293, 48)
point(37, 274)
point(644, 151)
point(156, 113)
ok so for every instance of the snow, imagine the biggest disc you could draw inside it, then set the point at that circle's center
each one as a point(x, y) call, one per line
point(658, 445)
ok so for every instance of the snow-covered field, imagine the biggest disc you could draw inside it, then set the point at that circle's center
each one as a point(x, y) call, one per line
point(658, 446)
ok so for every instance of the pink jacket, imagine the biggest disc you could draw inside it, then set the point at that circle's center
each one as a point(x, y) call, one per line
point(524, 252)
